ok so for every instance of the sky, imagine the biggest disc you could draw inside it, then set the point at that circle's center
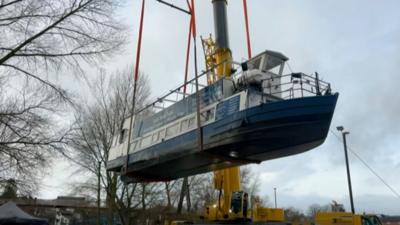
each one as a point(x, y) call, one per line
point(354, 45)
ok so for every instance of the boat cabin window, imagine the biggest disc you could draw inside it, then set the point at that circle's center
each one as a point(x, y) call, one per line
point(184, 125)
point(207, 115)
point(191, 123)
point(155, 137)
point(122, 135)
point(146, 141)
point(172, 130)
point(133, 136)
point(161, 134)
point(134, 145)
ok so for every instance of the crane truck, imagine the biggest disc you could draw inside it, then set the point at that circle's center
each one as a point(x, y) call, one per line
point(338, 216)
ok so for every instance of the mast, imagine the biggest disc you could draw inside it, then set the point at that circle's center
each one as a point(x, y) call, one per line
point(227, 180)
point(223, 53)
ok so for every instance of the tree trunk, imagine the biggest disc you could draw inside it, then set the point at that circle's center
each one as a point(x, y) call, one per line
point(168, 191)
point(143, 197)
point(98, 193)
point(182, 195)
point(188, 202)
point(111, 198)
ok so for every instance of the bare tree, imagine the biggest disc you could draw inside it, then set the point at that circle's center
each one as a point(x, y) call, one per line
point(10, 189)
point(315, 208)
point(202, 192)
point(250, 183)
point(27, 134)
point(39, 38)
point(98, 122)
point(248, 180)
point(293, 214)
point(184, 193)
point(38, 41)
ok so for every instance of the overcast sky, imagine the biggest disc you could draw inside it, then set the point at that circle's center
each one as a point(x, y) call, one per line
point(354, 45)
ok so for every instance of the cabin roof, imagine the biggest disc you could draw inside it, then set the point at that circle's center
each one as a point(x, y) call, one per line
point(275, 54)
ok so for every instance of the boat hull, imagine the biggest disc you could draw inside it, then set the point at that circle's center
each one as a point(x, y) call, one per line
point(268, 131)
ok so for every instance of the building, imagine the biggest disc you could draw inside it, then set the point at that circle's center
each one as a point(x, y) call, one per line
point(64, 210)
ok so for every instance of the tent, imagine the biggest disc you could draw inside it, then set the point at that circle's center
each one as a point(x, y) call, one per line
point(10, 214)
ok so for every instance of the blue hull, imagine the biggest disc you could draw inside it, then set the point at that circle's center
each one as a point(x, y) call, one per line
point(264, 132)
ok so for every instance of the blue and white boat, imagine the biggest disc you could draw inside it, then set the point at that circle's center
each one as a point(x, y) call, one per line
point(255, 115)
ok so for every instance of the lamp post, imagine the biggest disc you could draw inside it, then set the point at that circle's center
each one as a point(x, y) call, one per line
point(275, 197)
point(344, 133)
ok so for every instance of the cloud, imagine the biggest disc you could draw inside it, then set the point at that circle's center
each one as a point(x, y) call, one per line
point(357, 52)
point(354, 45)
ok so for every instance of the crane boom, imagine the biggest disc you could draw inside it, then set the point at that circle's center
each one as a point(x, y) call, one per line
point(234, 202)
point(227, 180)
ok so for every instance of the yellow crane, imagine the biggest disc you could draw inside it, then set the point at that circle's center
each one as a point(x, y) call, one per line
point(338, 216)
point(345, 218)
point(234, 203)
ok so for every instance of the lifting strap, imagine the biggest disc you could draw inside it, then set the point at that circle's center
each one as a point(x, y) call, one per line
point(246, 20)
point(136, 79)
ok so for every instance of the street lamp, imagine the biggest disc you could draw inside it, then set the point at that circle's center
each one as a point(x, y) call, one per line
point(344, 133)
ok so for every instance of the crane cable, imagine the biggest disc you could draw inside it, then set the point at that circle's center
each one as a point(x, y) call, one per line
point(194, 34)
point(136, 79)
point(246, 19)
point(188, 49)
point(369, 167)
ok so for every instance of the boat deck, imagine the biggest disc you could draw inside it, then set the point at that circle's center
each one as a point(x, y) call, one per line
point(253, 116)
point(260, 133)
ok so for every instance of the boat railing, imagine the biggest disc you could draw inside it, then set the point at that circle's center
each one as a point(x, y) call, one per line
point(179, 93)
point(293, 85)
point(298, 85)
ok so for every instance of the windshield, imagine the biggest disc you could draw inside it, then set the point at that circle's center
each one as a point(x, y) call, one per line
point(371, 220)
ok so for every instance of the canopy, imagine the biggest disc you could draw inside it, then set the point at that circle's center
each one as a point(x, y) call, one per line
point(11, 214)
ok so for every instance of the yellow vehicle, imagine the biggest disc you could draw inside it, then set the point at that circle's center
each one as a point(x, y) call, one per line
point(233, 204)
point(345, 218)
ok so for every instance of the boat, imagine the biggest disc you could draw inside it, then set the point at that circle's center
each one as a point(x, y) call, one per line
point(257, 114)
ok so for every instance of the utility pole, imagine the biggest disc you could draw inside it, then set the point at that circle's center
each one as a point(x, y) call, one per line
point(344, 133)
point(276, 205)
point(98, 193)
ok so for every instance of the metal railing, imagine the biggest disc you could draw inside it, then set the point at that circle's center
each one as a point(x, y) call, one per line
point(177, 94)
point(298, 85)
point(293, 85)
